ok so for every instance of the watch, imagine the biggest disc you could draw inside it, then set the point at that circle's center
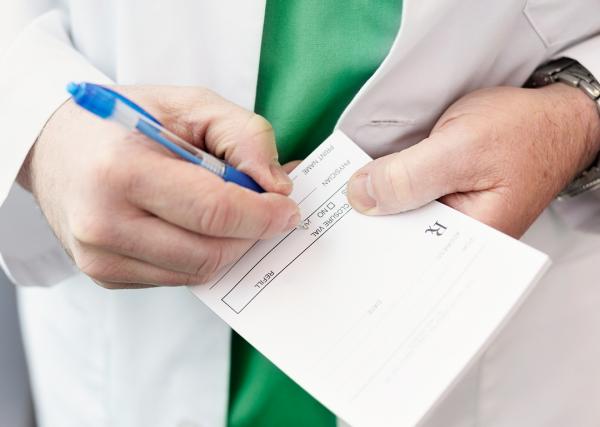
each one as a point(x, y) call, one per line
point(572, 73)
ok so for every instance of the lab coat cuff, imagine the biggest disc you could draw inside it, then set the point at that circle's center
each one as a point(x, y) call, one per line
point(34, 71)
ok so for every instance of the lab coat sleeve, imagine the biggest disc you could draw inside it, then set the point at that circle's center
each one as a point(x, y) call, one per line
point(587, 53)
point(35, 66)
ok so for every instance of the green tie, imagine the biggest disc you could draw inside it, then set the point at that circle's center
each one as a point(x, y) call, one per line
point(316, 54)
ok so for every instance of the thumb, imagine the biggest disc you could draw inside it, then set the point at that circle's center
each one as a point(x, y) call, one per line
point(406, 180)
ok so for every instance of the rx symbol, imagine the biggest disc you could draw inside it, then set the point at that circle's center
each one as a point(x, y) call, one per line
point(436, 229)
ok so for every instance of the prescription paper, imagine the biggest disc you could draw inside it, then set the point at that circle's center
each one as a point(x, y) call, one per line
point(376, 317)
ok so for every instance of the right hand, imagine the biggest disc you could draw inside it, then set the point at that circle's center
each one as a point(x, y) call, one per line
point(131, 215)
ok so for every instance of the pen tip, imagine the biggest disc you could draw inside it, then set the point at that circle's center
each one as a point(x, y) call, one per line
point(302, 225)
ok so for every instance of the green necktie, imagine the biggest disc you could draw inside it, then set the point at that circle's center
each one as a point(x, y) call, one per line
point(316, 54)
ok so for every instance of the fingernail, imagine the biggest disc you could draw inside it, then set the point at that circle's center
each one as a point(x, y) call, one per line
point(360, 193)
point(293, 221)
point(279, 176)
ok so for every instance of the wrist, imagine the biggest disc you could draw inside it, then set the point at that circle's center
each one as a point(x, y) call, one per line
point(581, 120)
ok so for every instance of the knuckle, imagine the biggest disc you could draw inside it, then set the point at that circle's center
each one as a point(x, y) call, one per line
point(210, 264)
point(216, 261)
point(93, 230)
point(208, 278)
point(397, 181)
point(209, 218)
point(260, 128)
point(191, 104)
point(202, 92)
point(261, 124)
point(135, 181)
point(95, 266)
point(105, 168)
point(189, 280)
point(216, 215)
point(202, 279)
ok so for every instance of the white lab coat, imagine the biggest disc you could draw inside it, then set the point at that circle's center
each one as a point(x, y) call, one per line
point(159, 357)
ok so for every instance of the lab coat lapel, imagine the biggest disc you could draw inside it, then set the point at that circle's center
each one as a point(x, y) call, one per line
point(364, 119)
point(381, 121)
point(377, 118)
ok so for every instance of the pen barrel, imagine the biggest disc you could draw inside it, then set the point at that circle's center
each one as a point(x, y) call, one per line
point(231, 174)
point(111, 105)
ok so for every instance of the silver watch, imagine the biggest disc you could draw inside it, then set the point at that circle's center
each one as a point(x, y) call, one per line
point(574, 74)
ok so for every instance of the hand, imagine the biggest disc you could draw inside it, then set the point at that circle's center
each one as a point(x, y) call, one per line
point(500, 155)
point(132, 215)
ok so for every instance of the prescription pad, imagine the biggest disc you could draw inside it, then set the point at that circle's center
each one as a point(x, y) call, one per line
point(376, 317)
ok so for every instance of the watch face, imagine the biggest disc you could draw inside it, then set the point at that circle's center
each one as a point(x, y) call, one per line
point(544, 75)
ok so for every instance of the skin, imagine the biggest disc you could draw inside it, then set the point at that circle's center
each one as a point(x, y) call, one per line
point(131, 215)
point(499, 155)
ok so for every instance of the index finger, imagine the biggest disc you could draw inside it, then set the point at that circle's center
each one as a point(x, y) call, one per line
point(193, 198)
point(245, 139)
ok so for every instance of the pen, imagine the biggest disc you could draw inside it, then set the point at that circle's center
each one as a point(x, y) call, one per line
point(110, 105)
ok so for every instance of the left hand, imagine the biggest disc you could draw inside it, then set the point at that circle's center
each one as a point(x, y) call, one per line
point(499, 155)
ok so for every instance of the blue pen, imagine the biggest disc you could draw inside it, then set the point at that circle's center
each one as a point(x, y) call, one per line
point(110, 105)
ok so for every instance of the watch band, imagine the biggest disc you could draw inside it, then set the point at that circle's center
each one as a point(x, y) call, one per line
point(567, 71)
point(572, 73)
